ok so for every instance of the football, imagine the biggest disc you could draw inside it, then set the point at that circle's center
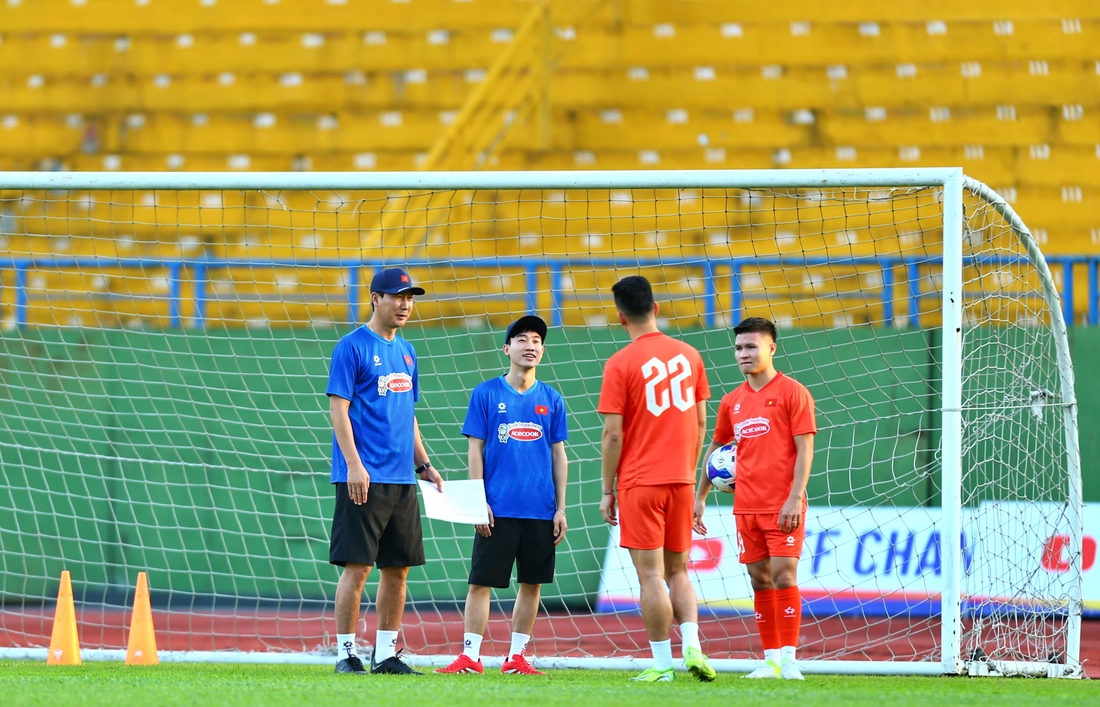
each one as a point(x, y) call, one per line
point(722, 468)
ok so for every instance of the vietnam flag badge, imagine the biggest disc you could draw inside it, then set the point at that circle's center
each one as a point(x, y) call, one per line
point(769, 403)
point(542, 410)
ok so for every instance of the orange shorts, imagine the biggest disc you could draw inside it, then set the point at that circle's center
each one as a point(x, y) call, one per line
point(653, 517)
point(759, 537)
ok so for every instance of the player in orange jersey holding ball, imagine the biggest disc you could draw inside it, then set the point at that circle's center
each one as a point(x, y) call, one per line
point(771, 418)
point(653, 400)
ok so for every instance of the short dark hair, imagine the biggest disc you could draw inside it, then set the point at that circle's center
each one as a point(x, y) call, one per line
point(634, 297)
point(756, 325)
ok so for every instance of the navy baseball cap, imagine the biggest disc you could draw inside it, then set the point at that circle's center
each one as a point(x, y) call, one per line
point(524, 325)
point(394, 281)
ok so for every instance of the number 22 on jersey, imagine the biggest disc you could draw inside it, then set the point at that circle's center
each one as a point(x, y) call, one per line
point(664, 380)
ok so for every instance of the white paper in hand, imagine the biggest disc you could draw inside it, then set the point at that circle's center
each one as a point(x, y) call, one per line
point(460, 502)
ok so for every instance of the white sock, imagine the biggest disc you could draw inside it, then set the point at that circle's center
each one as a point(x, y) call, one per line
point(773, 654)
point(519, 644)
point(345, 646)
point(662, 654)
point(786, 653)
point(385, 645)
point(471, 646)
point(689, 633)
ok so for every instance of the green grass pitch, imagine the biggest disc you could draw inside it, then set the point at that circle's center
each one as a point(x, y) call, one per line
point(23, 684)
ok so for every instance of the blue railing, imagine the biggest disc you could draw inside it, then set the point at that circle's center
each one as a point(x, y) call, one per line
point(715, 272)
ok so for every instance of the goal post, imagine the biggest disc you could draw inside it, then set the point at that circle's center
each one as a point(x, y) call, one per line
point(165, 346)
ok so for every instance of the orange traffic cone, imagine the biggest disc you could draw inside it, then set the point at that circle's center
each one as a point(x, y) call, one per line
point(142, 646)
point(64, 641)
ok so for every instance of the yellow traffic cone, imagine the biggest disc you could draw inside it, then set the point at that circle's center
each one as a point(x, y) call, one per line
point(64, 641)
point(142, 646)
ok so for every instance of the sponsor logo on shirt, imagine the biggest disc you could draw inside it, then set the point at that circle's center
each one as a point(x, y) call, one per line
point(397, 382)
point(519, 431)
point(377, 360)
point(736, 408)
point(501, 407)
point(752, 427)
point(542, 410)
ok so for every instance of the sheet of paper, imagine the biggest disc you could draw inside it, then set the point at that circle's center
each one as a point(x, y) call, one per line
point(460, 502)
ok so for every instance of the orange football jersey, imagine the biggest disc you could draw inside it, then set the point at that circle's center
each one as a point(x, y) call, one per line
point(655, 383)
point(764, 424)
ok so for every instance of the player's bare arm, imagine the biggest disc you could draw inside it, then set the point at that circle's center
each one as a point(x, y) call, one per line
point(700, 494)
point(560, 467)
point(611, 451)
point(358, 478)
point(475, 460)
point(790, 515)
point(702, 490)
point(420, 457)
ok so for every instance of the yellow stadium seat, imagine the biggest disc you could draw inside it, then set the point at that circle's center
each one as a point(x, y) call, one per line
point(801, 42)
point(1072, 241)
point(665, 84)
point(912, 83)
point(918, 83)
point(39, 135)
point(1052, 207)
point(121, 17)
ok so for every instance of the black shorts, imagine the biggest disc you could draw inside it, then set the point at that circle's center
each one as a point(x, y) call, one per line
point(527, 543)
point(384, 531)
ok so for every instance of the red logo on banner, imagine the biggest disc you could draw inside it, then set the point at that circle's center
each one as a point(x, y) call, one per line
point(1055, 551)
point(542, 410)
point(705, 555)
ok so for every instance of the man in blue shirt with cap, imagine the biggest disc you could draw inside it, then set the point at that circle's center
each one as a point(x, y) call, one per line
point(517, 430)
point(377, 453)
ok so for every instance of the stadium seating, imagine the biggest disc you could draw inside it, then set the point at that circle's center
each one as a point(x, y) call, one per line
point(1009, 92)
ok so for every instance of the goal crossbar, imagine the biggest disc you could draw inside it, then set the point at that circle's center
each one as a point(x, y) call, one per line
point(447, 181)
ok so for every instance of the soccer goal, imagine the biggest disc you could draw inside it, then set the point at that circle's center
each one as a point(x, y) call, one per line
point(165, 349)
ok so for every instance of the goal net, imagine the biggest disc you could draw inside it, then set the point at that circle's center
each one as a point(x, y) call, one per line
point(165, 351)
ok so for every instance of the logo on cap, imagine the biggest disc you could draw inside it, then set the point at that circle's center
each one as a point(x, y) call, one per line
point(394, 281)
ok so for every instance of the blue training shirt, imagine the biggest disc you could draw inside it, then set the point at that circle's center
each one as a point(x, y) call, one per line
point(518, 429)
point(379, 378)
